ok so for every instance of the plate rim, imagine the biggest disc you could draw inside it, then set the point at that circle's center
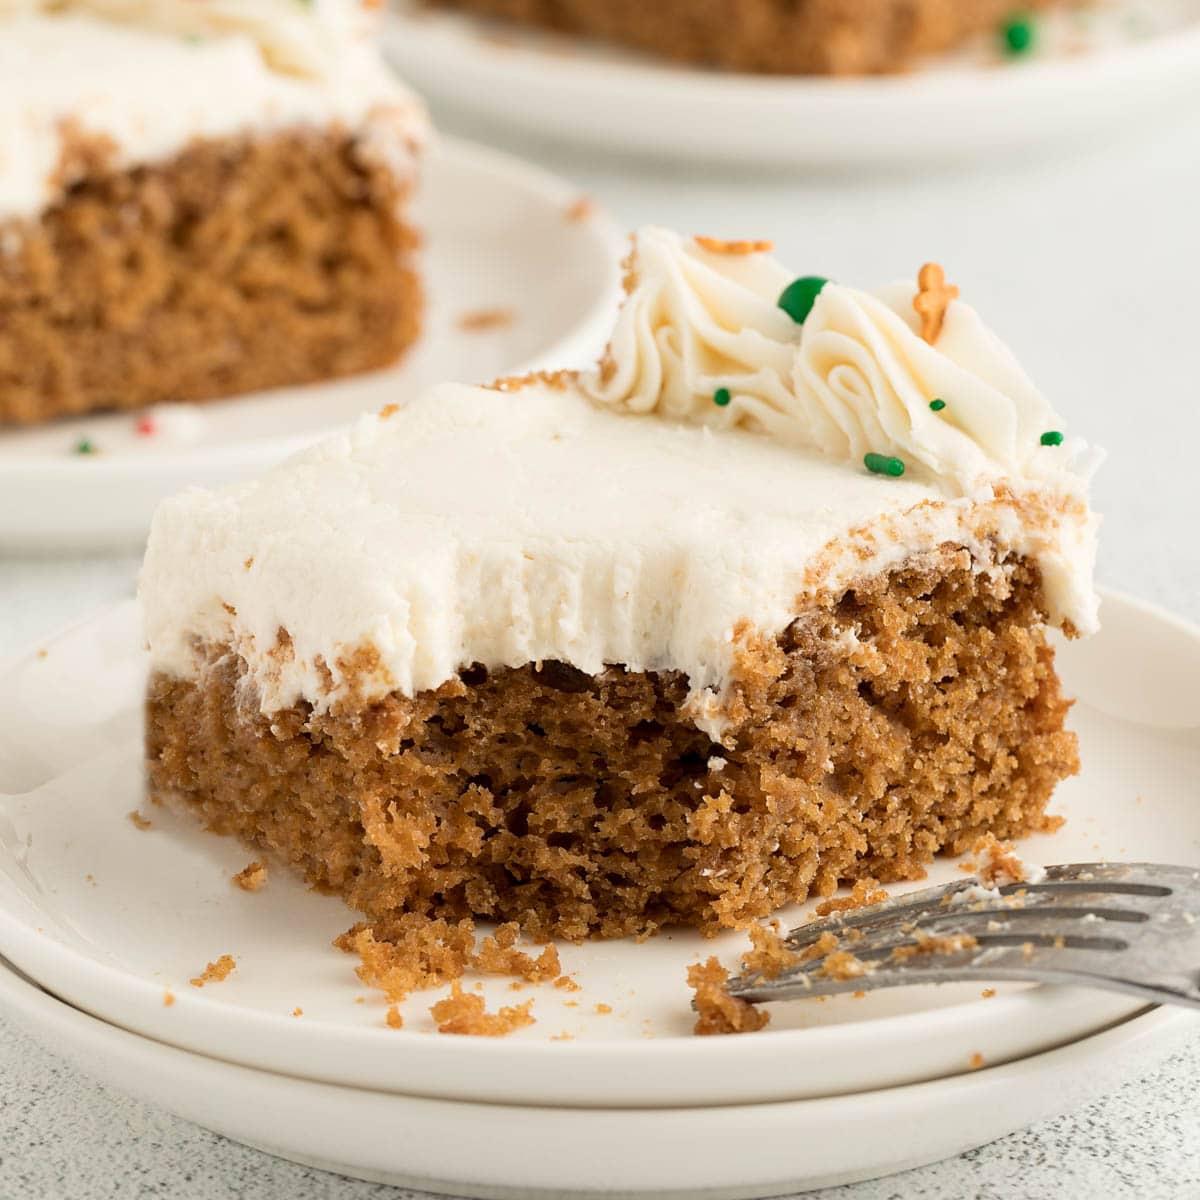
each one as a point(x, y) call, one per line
point(24, 946)
point(104, 1052)
point(827, 122)
point(756, 87)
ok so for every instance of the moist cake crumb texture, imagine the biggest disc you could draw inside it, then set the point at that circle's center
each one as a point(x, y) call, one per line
point(581, 805)
point(498, 955)
point(169, 282)
point(864, 893)
point(409, 952)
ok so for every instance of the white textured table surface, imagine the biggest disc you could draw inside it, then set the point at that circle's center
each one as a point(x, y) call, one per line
point(1088, 265)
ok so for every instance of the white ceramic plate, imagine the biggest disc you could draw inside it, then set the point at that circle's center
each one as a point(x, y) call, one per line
point(498, 1151)
point(499, 234)
point(1097, 71)
point(110, 917)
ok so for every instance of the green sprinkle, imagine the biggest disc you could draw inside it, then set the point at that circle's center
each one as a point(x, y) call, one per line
point(721, 397)
point(798, 298)
point(1052, 438)
point(85, 446)
point(1018, 34)
point(882, 464)
point(937, 405)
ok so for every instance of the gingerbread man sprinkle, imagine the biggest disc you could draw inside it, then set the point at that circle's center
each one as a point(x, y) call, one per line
point(932, 299)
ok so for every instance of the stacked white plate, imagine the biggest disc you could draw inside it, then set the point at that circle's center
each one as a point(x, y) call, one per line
point(101, 921)
point(1093, 71)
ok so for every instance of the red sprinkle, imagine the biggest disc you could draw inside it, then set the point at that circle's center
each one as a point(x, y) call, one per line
point(146, 427)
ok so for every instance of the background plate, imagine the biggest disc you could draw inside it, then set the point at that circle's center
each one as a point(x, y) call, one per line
point(511, 1153)
point(110, 918)
point(1096, 71)
point(499, 234)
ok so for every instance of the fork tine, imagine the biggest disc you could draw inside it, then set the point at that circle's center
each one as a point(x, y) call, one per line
point(907, 908)
point(1083, 884)
point(1079, 923)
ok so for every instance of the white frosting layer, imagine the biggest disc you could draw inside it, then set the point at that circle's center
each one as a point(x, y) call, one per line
point(626, 519)
point(855, 378)
point(151, 76)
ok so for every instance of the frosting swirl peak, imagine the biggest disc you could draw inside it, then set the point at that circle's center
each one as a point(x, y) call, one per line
point(855, 379)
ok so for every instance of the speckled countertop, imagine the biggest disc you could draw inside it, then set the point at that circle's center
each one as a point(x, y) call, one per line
point(1087, 262)
point(62, 1136)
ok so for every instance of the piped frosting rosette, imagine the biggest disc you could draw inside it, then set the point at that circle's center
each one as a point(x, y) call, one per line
point(696, 322)
point(961, 411)
point(702, 338)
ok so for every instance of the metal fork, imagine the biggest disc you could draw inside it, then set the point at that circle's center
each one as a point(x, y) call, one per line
point(1128, 927)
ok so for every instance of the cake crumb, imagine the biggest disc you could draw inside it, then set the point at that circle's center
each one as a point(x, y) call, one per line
point(823, 947)
point(252, 878)
point(409, 952)
point(394, 1019)
point(360, 999)
point(864, 893)
point(498, 955)
point(483, 319)
point(465, 1013)
point(297, 1012)
point(567, 984)
point(580, 208)
point(842, 965)
point(563, 1037)
point(769, 956)
point(998, 864)
point(388, 410)
point(168, 998)
point(139, 822)
point(216, 972)
point(603, 1009)
point(928, 944)
point(717, 1011)
point(977, 1061)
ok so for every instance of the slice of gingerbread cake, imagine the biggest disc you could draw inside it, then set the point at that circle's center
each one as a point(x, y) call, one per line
point(198, 198)
point(757, 606)
point(782, 37)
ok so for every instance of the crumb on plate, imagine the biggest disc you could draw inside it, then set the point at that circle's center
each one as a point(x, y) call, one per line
point(717, 1011)
point(253, 877)
point(465, 1013)
point(216, 972)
